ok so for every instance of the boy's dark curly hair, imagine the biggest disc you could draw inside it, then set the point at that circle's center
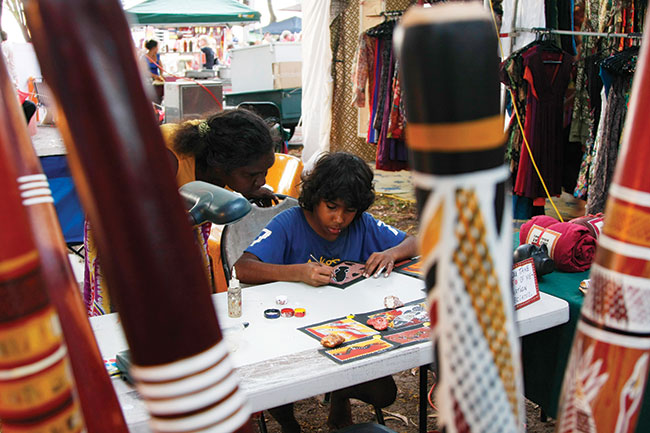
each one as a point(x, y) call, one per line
point(233, 139)
point(337, 176)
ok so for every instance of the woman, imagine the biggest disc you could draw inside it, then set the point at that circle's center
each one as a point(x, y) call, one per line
point(232, 149)
point(153, 60)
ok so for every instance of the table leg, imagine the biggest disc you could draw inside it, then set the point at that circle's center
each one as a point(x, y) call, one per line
point(261, 422)
point(423, 398)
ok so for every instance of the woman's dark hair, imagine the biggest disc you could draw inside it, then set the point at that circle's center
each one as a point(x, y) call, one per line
point(229, 139)
point(151, 43)
point(338, 176)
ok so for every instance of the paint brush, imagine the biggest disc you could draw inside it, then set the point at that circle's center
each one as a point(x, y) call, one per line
point(315, 259)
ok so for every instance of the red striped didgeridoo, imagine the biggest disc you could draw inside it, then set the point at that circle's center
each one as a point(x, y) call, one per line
point(448, 67)
point(36, 387)
point(96, 396)
point(149, 257)
point(606, 373)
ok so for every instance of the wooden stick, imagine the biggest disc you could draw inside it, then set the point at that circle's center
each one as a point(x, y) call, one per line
point(151, 263)
point(36, 388)
point(606, 373)
point(448, 60)
point(96, 396)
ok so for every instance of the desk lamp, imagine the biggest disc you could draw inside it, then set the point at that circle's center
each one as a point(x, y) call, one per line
point(208, 202)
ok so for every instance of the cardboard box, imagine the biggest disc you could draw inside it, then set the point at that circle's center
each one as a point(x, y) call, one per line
point(287, 75)
point(252, 67)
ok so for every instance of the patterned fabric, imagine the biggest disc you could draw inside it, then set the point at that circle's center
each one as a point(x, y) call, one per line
point(362, 70)
point(96, 294)
point(474, 263)
point(604, 160)
point(470, 302)
point(344, 33)
point(397, 119)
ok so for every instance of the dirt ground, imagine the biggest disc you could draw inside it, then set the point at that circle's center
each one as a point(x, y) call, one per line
point(402, 416)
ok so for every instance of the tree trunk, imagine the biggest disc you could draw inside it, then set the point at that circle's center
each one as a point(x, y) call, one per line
point(271, 12)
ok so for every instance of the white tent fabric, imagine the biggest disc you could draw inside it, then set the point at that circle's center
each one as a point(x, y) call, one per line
point(529, 14)
point(316, 80)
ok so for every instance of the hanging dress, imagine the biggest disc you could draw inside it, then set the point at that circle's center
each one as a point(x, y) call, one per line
point(544, 121)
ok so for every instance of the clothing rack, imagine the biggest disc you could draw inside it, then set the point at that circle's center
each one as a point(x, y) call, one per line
point(388, 14)
point(540, 30)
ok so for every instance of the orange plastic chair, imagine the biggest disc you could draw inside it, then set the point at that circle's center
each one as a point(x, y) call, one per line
point(284, 178)
point(284, 175)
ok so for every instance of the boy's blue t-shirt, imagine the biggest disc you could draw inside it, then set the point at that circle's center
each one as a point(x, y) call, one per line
point(289, 239)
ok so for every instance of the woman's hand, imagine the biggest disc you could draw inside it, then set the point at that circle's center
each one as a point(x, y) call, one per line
point(263, 197)
point(379, 262)
point(315, 274)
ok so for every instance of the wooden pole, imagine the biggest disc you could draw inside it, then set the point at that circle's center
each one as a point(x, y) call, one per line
point(449, 66)
point(606, 373)
point(36, 388)
point(151, 263)
point(96, 396)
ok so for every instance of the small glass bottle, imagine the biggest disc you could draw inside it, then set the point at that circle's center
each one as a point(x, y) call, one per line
point(234, 296)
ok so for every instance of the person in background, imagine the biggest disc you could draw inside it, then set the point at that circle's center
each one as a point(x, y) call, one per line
point(330, 225)
point(210, 59)
point(8, 52)
point(153, 60)
point(232, 149)
point(286, 36)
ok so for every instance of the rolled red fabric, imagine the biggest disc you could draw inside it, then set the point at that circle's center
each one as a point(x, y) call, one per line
point(540, 220)
point(594, 223)
point(571, 246)
point(575, 248)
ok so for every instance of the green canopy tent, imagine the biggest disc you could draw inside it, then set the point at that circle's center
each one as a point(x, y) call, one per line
point(190, 13)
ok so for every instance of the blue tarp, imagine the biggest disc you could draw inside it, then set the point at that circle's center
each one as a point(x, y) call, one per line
point(293, 24)
point(66, 201)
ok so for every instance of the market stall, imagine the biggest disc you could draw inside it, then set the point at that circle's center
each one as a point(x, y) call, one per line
point(188, 33)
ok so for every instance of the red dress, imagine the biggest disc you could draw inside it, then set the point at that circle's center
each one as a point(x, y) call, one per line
point(544, 121)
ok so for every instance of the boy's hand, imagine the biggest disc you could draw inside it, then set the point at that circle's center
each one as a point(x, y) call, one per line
point(316, 274)
point(378, 263)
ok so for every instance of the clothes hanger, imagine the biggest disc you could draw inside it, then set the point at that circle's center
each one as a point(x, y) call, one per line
point(385, 29)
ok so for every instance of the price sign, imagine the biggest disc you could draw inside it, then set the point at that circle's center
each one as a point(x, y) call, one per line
point(524, 283)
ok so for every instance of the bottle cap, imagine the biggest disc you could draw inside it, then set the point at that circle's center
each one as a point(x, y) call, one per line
point(272, 313)
point(234, 282)
point(287, 312)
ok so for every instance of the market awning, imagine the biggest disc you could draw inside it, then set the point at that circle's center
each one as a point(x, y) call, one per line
point(293, 24)
point(194, 12)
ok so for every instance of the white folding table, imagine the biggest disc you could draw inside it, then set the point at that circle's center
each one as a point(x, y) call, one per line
point(279, 364)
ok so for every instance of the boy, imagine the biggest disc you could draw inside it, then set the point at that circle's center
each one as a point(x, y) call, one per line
point(330, 225)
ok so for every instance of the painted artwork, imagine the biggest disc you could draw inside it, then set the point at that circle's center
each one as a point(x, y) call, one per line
point(347, 273)
point(407, 325)
point(420, 334)
point(412, 268)
point(408, 315)
point(359, 350)
point(349, 328)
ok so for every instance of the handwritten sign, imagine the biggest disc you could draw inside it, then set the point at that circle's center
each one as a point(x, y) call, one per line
point(524, 283)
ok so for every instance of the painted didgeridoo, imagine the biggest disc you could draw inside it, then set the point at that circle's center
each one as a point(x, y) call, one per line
point(606, 373)
point(118, 158)
point(449, 65)
point(97, 396)
point(36, 387)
